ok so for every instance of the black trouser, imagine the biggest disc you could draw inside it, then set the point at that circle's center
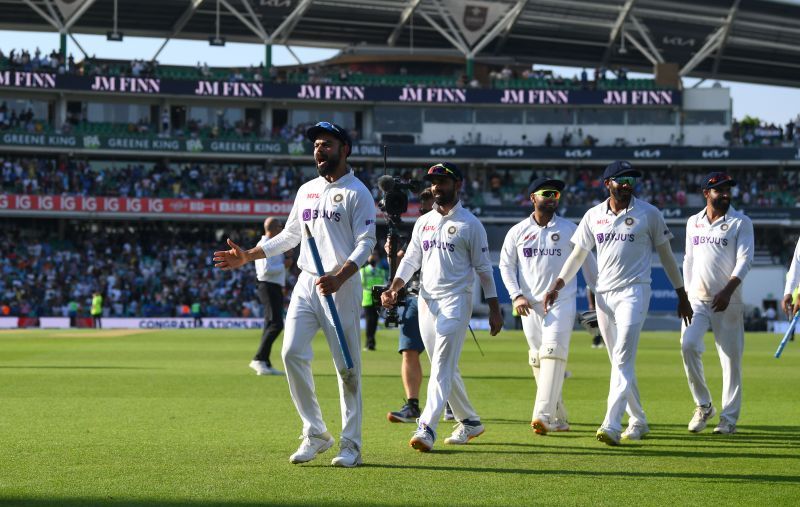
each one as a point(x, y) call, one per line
point(97, 323)
point(271, 296)
point(371, 318)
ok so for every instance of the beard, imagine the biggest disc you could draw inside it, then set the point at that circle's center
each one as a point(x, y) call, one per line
point(446, 198)
point(721, 204)
point(623, 196)
point(327, 164)
point(546, 206)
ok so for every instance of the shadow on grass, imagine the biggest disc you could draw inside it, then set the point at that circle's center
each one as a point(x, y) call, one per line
point(624, 475)
point(56, 367)
point(117, 502)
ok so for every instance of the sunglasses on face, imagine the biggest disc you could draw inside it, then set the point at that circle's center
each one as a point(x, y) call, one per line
point(624, 180)
point(548, 194)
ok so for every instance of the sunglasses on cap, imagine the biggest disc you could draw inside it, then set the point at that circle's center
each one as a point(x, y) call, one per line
point(717, 179)
point(441, 170)
point(328, 126)
point(548, 194)
point(624, 180)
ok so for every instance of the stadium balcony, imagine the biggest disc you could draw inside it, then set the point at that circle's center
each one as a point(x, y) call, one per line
point(572, 84)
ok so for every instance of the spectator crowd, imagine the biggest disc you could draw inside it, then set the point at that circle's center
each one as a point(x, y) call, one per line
point(146, 270)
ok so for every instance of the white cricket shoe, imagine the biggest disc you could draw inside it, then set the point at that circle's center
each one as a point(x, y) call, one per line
point(700, 418)
point(607, 436)
point(463, 433)
point(559, 425)
point(423, 438)
point(349, 455)
point(725, 428)
point(635, 432)
point(260, 367)
point(273, 371)
point(310, 447)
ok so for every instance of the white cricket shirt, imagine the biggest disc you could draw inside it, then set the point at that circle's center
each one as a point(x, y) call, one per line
point(532, 257)
point(450, 249)
point(793, 276)
point(271, 269)
point(716, 252)
point(624, 242)
point(341, 216)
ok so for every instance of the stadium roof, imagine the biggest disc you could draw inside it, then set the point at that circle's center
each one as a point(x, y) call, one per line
point(739, 40)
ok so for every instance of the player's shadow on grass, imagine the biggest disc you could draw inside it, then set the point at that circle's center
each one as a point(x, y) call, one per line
point(626, 474)
point(56, 367)
point(551, 446)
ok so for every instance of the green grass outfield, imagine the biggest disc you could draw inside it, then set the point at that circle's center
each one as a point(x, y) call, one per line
point(176, 418)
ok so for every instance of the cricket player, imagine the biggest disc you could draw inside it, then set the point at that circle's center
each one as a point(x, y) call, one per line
point(791, 303)
point(409, 341)
point(624, 230)
point(340, 211)
point(534, 251)
point(271, 276)
point(451, 244)
point(719, 252)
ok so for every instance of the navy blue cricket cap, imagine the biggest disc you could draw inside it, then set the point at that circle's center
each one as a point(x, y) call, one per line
point(446, 169)
point(620, 168)
point(717, 178)
point(331, 128)
point(545, 182)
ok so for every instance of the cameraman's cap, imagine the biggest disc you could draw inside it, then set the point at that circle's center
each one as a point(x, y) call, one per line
point(620, 168)
point(447, 169)
point(545, 182)
point(331, 128)
point(716, 179)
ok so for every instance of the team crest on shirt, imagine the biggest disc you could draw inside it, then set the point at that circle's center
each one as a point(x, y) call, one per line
point(337, 198)
point(724, 227)
point(629, 221)
point(555, 237)
point(451, 230)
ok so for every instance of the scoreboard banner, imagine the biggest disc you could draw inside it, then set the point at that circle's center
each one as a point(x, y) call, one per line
point(149, 86)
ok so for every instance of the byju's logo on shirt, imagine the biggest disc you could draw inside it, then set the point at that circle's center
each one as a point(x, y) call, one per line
point(613, 236)
point(541, 252)
point(709, 240)
point(313, 214)
point(442, 245)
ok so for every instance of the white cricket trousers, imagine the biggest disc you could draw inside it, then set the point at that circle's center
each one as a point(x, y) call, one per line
point(443, 326)
point(620, 315)
point(728, 328)
point(551, 330)
point(308, 312)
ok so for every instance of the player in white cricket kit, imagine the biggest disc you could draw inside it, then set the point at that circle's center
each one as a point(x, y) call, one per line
point(533, 254)
point(340, 211)
point(451, 244)
point(791, 305)
point(624, 230)
point(719, 252)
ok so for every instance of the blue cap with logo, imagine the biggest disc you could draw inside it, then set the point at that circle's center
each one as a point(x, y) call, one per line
point(620, 168)
point(545, 182)
point(331, 128)
point(717, 178)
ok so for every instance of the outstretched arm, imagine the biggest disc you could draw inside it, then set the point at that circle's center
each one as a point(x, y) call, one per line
point(236, 257)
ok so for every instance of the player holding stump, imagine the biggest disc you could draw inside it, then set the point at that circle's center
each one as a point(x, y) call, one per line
point(624, 230)
point(719, 252)
point(451, 244)
point(534, 251)
point(341, 214)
